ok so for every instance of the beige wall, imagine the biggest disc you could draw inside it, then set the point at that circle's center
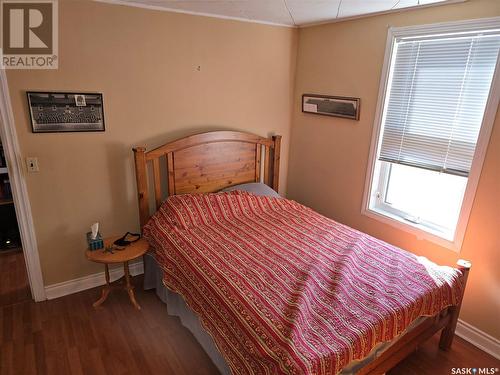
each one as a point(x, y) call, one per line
point(144, 62)
point(329, 156)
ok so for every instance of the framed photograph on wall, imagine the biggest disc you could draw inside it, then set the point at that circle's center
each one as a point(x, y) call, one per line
point(337, 106)
point(54, 112)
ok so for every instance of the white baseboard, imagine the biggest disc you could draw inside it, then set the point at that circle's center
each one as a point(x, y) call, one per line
point(478, 338)
point(90, 281)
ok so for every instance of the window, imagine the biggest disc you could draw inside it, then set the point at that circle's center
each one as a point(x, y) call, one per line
point(436, 109)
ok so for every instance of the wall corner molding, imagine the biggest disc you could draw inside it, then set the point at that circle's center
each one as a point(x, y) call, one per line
point(478, 338)
point(90, 281)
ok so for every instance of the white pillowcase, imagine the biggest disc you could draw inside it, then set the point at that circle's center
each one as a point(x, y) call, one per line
point(256, 188)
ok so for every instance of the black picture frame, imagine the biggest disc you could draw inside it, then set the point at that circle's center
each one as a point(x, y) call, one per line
point(336, 106)
point(65, 112)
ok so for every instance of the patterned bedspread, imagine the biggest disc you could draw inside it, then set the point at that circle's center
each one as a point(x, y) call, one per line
point(285, 290)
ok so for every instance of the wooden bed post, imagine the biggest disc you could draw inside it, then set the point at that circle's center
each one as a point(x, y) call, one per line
point(276, 161)
point(142, 184)
point(171, 173)
point(448, 331)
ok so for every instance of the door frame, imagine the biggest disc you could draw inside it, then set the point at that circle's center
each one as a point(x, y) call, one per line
point(20, 196)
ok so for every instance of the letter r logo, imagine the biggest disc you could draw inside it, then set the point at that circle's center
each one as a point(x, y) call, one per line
point(27, 27)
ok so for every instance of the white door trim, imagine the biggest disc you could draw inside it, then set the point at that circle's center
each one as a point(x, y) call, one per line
point(20, 191)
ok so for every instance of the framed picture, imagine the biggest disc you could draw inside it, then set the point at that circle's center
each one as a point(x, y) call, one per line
point(338, 106)
point(54, 112)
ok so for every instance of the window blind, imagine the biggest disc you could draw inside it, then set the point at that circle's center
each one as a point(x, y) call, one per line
point(437, 94)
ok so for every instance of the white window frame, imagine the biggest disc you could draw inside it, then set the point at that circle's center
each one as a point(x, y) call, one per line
point(482, 143)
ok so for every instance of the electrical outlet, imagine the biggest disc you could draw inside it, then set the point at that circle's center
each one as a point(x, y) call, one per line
point(32, 164)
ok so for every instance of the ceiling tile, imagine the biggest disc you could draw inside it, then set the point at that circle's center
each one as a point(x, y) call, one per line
point(351, 8)
point(310, 11)
point(405, 3)
point(267, 10)
point(424, 2)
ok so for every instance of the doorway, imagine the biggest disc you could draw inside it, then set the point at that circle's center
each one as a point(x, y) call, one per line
point(14, 285)
point(24, 260)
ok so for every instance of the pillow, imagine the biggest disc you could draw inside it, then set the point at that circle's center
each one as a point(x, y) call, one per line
point(256, 188)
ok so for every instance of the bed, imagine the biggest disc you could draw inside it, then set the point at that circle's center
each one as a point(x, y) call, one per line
point(267, 285)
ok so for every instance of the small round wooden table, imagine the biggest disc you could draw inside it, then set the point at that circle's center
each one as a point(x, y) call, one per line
point(132, 251)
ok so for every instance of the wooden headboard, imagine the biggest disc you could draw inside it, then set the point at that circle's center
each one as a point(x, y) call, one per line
point(204, 163)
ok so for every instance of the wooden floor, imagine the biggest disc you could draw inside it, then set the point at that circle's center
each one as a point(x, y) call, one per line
point(14, 286)
point(69, 336)
point(428, 359)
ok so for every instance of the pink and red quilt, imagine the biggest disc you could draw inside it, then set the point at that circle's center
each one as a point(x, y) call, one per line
point(285, 290)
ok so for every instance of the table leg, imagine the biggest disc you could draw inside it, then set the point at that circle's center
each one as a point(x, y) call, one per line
point(105, 290)
point(129, 287)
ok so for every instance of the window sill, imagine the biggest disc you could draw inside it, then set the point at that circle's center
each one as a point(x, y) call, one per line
point(421, 232)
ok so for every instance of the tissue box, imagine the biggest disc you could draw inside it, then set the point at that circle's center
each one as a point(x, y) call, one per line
point(96, 244)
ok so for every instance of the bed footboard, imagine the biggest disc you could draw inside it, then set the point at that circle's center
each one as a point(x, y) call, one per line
point(446, 321)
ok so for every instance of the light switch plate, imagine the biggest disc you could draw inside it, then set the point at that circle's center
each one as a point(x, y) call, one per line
point(32, 164)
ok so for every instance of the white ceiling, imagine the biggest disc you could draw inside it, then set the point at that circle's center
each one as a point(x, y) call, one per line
point(282, 12)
